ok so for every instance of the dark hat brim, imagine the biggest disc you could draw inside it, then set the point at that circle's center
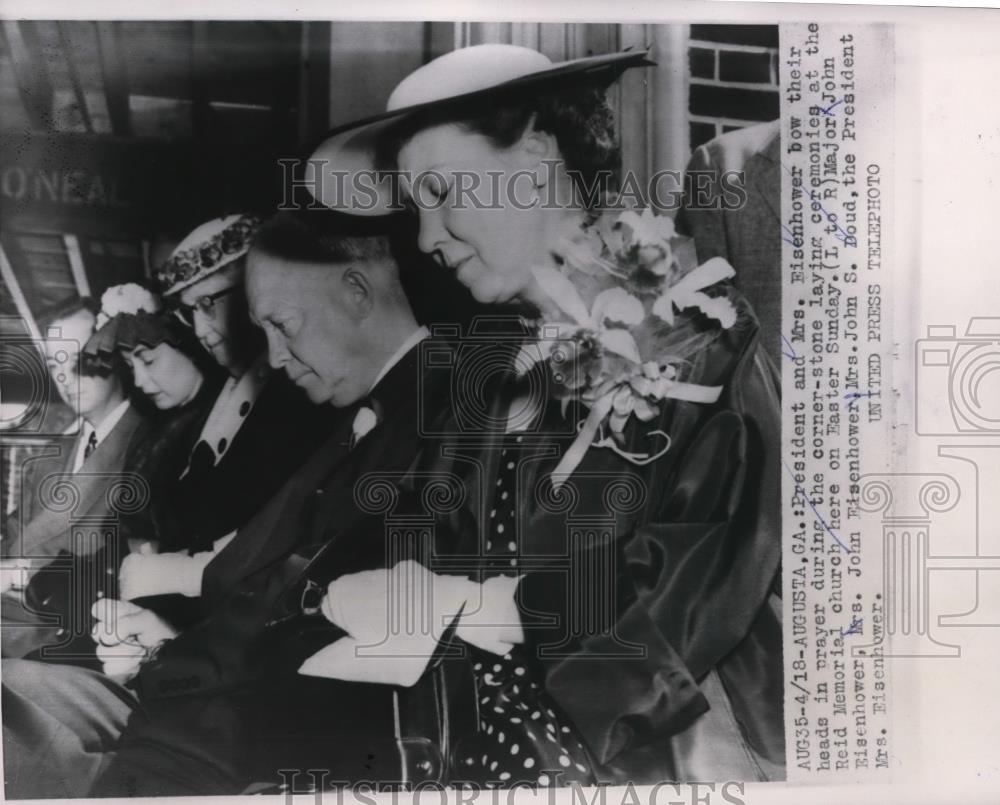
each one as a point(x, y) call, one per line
point(128, 331)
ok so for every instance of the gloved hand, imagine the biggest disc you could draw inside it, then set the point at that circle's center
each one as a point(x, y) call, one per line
point(396, 617)
point(491, 620)
point(122, 622)
point(122, 660)
point(149, 573)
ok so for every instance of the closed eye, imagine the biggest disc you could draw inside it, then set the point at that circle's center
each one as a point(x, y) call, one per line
point(436, 185)
point(441, 192)
point(144, 358)
point(282, 326)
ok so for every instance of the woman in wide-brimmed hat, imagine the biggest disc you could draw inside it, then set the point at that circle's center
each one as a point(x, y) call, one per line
point(654, 653)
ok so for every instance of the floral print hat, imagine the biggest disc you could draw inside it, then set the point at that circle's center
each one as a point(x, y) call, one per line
point(209, 248)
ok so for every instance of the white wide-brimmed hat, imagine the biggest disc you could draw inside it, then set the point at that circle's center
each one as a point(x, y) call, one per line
point(452, 80)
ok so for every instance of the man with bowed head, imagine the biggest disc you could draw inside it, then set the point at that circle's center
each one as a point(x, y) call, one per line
point(248, 690)
point(38, 531)
point(259, 430)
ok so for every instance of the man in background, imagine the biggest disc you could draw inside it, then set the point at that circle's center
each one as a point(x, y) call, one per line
point(749, 236)
point(223, 704)
point(89, 458)
point(261, 428)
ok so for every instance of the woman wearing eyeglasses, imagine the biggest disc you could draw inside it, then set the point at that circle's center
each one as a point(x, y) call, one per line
point(258, 427)
point(175, 381)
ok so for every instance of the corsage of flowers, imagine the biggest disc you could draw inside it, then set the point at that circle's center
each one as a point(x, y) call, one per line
point(621, 283)
point(129, 298)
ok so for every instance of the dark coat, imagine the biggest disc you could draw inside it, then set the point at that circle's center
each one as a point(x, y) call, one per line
point(226, 694)
point(281, 431)
point(682, 554)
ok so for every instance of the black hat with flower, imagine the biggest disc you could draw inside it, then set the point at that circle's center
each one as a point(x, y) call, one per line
point(130, 316)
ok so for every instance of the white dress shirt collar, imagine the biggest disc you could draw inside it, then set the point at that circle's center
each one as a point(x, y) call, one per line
point(414, 338)
point(103, 429)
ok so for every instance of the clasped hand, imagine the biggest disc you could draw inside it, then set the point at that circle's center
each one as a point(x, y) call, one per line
point(125, 635)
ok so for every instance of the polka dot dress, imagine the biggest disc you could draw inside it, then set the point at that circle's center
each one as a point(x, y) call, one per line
point(522, 738)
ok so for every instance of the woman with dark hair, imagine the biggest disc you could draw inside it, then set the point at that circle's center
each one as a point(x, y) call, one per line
point(650, 648)
point(176, 378)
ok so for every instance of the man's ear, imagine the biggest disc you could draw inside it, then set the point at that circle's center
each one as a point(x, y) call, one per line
point(358, 291)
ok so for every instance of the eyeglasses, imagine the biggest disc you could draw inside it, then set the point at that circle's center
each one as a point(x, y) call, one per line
point(205, 304)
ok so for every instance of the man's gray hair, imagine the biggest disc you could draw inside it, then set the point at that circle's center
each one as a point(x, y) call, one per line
point(322, 239)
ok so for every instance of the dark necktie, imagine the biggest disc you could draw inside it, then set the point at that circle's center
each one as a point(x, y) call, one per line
point(91, 445)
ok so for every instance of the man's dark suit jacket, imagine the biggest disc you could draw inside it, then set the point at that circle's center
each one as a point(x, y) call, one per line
point(748, 237)
point(222, 704)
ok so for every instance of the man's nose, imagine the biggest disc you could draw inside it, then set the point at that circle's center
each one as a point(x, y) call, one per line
point(277, 354)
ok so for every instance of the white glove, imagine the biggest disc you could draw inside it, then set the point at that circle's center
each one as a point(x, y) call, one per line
point(394, 618)
point(491, 620)
point(122, 660)
point(121, 622)
point(148, 573)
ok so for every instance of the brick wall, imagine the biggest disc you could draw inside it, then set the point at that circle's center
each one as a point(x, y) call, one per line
point(734, 78)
